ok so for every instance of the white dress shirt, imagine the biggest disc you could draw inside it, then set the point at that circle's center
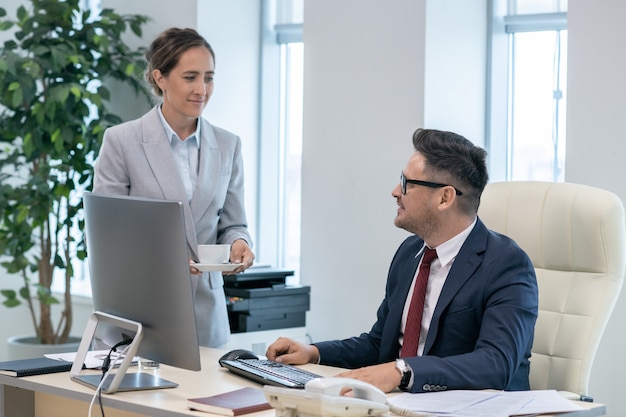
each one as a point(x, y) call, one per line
point(186, 154)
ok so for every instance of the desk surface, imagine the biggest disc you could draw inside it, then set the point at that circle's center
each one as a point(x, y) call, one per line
point(171, 402)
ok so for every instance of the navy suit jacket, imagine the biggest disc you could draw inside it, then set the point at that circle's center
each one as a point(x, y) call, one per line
point(482, 328)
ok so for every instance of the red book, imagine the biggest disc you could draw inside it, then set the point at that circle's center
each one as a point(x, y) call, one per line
point(232, 403)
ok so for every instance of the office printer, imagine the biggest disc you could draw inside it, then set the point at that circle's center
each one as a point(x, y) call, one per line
point(260, 299)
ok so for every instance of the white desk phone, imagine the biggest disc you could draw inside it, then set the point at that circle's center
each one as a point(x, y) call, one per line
point(323, 397)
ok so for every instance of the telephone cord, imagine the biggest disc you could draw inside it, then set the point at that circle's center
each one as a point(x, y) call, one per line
point(403, 412)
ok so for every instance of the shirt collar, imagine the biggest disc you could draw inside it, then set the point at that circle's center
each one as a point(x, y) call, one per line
point(447, 251)
point(171, 134)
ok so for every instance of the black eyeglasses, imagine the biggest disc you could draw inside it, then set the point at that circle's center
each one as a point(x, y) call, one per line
point(404, 181)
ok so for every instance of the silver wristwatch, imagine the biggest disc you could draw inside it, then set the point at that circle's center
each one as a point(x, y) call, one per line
point(406, 372)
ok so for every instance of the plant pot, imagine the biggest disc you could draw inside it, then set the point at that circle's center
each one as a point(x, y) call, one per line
point(24, 347)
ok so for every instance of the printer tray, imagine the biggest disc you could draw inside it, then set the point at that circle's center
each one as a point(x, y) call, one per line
point(267, 319)
point(257, 275)
point(279, 290)
point(277, 302)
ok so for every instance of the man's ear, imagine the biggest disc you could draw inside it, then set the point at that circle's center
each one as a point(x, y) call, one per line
point(447, 196)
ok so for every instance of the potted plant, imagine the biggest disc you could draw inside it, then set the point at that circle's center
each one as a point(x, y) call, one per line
point(53, 113)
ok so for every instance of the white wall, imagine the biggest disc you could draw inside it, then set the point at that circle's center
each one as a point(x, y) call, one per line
point(363, 101)
point(596, 147)
point(363, 98)
point(455, 60)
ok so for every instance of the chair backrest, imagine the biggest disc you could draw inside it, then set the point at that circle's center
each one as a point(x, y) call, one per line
point(575, 237)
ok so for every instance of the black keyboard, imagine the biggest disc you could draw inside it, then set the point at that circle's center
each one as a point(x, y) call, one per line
point(269, 372)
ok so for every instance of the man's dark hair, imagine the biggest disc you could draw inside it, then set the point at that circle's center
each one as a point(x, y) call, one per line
point(452, 159)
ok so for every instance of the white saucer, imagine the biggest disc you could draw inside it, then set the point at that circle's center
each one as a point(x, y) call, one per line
point(215, 267)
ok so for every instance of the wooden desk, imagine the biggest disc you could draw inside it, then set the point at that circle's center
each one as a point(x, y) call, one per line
point(55, 395)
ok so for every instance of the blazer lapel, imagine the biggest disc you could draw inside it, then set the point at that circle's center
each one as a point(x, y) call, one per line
point(408, 271)
point(466, 262)
point(209, 172)
point(391, 330)
point(158, 152)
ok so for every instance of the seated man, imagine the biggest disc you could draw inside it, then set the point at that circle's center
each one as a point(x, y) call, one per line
point(470, 324)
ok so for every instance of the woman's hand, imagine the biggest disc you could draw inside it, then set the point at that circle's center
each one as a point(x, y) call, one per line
point(192, 269)
point(240, 253)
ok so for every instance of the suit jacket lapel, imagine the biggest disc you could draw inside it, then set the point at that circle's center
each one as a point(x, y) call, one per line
point(209, 171)
point(465, 263)
point(391, 330)
point(158, 151)
point(395, 312)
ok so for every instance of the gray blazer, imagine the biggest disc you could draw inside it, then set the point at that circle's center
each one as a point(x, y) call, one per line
point(136, 159)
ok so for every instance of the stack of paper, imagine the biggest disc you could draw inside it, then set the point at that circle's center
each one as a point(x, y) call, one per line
point(94, 358)
point(467, 403)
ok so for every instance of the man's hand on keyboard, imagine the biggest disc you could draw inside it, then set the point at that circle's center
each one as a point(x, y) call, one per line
point(289, 351)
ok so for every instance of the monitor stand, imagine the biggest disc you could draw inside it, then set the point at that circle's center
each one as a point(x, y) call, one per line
point(120, 380)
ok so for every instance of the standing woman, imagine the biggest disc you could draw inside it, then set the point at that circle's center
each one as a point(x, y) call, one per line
point(172, 153)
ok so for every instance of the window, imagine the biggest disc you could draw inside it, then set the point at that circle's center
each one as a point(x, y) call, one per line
point(528, 79)
point(291, 153)
point(281, 137)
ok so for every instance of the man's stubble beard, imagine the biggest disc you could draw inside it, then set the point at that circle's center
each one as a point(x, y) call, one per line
point(423, 225)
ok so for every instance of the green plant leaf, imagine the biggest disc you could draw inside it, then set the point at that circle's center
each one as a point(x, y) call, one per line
point(14, 302)
point(130, 69)
point(25, 292)
point(76, 92)
point(22, 14)
point(59, 93)
point(28, 144)
point(18, 97)
point(57, 140)
point(49, 300)
point(22, 215)
point(8, 293)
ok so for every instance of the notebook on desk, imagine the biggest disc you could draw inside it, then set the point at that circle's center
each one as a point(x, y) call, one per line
point(34, 366)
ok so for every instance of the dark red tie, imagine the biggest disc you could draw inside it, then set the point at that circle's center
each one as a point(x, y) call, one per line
point(416, 308)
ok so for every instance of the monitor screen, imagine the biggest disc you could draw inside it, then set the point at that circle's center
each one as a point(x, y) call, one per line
point(139, 268)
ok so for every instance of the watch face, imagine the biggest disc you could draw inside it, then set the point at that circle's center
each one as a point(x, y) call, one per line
point(401, 365)
point(405, 370)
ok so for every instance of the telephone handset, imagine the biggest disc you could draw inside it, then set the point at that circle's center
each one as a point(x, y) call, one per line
point(323, 397)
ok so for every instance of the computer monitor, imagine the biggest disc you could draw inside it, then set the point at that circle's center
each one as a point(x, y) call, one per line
point(139, 270)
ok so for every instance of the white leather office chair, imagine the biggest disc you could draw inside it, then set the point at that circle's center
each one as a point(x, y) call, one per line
point(575, 237)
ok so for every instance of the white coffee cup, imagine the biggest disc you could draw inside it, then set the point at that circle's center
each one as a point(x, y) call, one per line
point(214, 254)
